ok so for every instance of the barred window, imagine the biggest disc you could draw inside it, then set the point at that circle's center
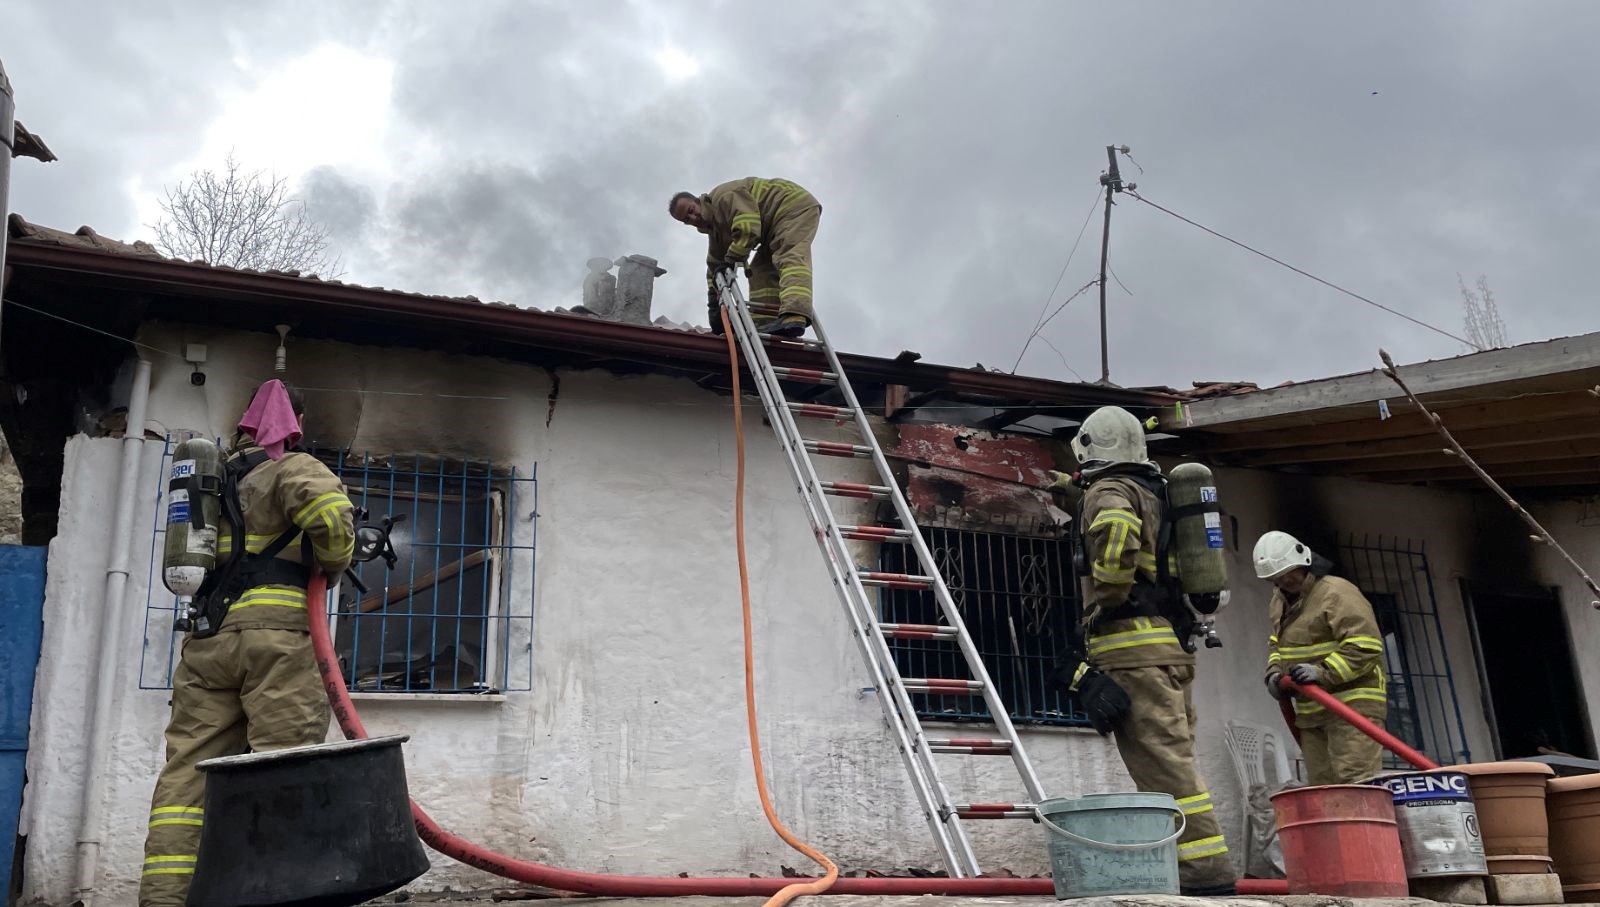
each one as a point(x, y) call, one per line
point(1395, 577)
point(453, 616)
point(1018, 597)
point(441, 620)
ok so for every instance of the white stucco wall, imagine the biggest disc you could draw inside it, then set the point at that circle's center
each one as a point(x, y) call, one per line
point(629, 754)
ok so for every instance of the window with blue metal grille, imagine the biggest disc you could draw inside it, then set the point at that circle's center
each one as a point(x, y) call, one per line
point(1018, 597)
point(1423, 710)
point(454, 614)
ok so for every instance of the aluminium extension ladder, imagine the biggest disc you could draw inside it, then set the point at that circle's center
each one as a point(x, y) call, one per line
point(943, 814)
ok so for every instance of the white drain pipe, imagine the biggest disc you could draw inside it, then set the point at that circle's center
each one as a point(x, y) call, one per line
point(111, 635)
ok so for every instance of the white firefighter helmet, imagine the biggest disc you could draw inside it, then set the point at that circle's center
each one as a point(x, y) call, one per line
point(1111, 436)
point(1279, 552)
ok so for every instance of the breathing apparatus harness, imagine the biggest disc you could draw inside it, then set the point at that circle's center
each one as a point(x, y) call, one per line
point(1191, 615)
point(244, 570)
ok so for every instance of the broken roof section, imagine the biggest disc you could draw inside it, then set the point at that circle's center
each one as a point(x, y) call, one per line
point(54, 265)
point(1530, 415)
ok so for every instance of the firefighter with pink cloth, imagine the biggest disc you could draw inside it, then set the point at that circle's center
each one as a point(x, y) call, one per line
point(251, 683)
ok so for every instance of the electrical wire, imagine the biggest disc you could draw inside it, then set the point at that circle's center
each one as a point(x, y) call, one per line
point(1327, 283)
point(1081, 290)
point(87, 327)
point(237, 373)
point(1038, 323)
point(1064, 361)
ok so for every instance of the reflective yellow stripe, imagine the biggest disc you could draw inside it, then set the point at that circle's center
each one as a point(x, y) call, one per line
point(1368, 643)
point(1199, 803)
point(794, 271)
point(1357, 694)
point(793, 198)
point(1116, 515)
point(1272, 640)
point(282, 598)
point(764, 293)
point(175, 864)
point(1316, 651)
point(176, 815)
point(794, 291)
point(332, 497)
point(253, 542)
point(1201, 848)
point(1114, 576)
point(1340, 668)
point(1111, 642)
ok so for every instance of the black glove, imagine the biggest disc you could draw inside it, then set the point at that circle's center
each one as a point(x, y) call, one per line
point(1106, 703)
point(1273, 685)
point(1305, 673)
point(714, 313)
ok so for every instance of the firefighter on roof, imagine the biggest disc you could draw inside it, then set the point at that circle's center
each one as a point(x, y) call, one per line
point(247, 680)
point(778, 221)
point(1324, 633)
point(1133, 674)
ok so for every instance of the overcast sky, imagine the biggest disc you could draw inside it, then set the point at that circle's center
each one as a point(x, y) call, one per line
point(490, 148)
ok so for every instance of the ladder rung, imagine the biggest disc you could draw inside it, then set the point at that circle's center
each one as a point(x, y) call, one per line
point(821, 411)
point(971, 746)
point(994, 810)
point(838, 449)
point(875, 533)
point(855, 490)
point(780, 340)
point(805, 375)
point(942, 686)
point(918, 631)
point(895, 580)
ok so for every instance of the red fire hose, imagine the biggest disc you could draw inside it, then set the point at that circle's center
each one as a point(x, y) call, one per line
point(1326, 700)
point(646, 886)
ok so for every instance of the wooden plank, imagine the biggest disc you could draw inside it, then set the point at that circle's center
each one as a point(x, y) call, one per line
point(1520, 434)
point(1557, 451)
point(1476, 370)
point(1403, 424)
point(423, 583)
point(1505, 472)
point(1586, 482)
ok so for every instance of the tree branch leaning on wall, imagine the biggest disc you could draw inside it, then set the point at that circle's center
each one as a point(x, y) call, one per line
point(1456, 448)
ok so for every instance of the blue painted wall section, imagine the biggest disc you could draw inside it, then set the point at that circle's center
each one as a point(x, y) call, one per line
point(21, 626)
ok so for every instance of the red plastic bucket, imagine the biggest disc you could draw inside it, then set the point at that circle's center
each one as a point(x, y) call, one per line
point(1341, 839)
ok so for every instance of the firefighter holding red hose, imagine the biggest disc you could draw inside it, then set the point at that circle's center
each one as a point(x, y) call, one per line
point(1324, 632)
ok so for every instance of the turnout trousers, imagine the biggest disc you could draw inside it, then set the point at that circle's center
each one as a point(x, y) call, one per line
point(247, 689)
point(1156, 741)
point(780, 271)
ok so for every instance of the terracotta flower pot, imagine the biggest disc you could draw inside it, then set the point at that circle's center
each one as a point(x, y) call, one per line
point(1574, 808)
point(1511, 812)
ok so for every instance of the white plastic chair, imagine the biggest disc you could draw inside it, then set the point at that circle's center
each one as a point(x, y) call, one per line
point(1260, 761)
point(1253, 749)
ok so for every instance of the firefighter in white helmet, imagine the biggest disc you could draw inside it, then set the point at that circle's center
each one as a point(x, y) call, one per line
point(1324, 633)
point(1131, 673)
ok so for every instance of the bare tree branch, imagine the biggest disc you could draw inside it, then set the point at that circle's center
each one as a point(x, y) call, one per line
point(1485, 330)
point(243, 220)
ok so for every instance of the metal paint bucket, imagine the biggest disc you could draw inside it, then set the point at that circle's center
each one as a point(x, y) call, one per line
point(1438, 823)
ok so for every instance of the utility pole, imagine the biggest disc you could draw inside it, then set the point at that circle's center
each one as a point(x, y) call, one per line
point(1112, 180)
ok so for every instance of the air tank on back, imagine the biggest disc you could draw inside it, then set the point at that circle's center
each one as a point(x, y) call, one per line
point(1197, 533)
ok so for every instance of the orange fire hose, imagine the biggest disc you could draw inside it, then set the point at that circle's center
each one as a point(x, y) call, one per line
point(814, 886)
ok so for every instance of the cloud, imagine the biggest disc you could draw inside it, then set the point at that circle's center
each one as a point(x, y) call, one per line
point(955, 149)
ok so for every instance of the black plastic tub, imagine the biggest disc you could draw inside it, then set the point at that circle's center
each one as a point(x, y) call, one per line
point(313, 826)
